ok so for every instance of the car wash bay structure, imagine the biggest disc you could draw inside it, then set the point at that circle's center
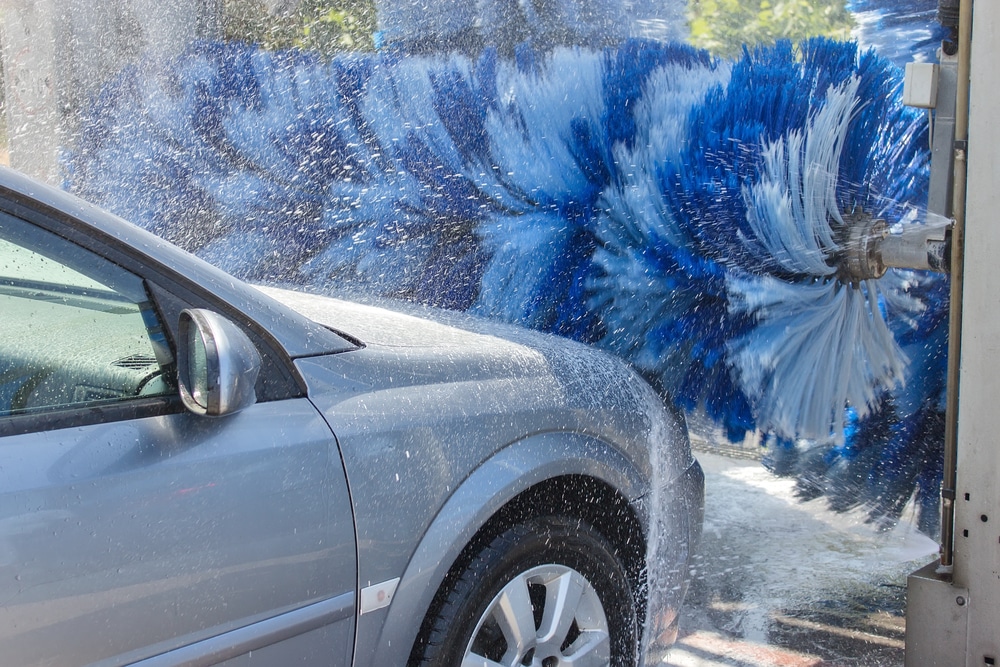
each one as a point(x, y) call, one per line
point(953, 606)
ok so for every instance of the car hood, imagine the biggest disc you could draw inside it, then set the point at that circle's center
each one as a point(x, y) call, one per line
point(408, 353)
point(390, 324)
point(404, 344)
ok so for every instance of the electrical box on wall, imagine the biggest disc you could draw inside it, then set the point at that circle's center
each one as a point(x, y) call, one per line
point(920, 85)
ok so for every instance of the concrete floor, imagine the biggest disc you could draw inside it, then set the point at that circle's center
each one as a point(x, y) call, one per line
point(783, 583)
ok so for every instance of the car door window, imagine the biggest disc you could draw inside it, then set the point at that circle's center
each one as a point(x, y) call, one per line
point(76, 330)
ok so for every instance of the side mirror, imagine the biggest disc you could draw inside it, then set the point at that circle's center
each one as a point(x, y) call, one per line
point(217, 364)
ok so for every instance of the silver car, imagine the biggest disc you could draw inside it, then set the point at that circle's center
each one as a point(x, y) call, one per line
point(194, 471)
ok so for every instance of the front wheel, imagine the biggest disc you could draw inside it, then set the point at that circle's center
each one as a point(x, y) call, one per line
point(549, 592)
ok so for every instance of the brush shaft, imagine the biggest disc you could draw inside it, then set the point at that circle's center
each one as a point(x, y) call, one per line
point(915, 250)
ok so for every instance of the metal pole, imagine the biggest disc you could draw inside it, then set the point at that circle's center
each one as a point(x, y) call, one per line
point(957, 279)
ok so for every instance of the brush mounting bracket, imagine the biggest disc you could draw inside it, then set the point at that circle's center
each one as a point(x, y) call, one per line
point(868, 247)
point(859, 257)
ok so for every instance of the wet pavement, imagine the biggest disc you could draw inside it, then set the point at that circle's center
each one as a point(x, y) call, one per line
point(783, 583)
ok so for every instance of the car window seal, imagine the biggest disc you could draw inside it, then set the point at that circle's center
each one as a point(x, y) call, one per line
point(54, 419)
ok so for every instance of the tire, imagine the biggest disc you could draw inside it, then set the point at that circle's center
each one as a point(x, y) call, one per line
point(548, 592)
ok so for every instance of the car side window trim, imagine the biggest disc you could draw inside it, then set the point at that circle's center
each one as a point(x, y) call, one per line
point(88, 415)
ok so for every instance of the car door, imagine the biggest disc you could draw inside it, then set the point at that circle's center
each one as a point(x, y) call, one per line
point(131, 529)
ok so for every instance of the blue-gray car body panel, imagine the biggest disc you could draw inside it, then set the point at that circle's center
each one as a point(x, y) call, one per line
point(488, 418)
point(123, 538)
point(254, 534)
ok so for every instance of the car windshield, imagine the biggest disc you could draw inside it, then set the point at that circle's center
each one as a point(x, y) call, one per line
point(20, 266)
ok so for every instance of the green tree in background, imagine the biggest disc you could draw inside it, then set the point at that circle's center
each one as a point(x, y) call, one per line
point(724, 26)
point(324, 26)
point(720, 26)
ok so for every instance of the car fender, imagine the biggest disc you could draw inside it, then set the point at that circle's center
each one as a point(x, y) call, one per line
point(386, 636)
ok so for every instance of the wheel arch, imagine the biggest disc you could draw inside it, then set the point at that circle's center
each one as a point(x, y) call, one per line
point(537, 475)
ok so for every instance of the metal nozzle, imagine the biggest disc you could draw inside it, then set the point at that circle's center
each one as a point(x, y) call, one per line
point(868, 248)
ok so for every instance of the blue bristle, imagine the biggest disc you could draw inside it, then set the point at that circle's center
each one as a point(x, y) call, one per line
point(892, 480)
point(674, 209)
point(895, 452)
point(769, 94)
point(533, 268)
point(526, 58)
point(780, 456)
point(827, 63)
point(663, 310)
point(626, 71)
point(894, 168)
point(462, 107)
